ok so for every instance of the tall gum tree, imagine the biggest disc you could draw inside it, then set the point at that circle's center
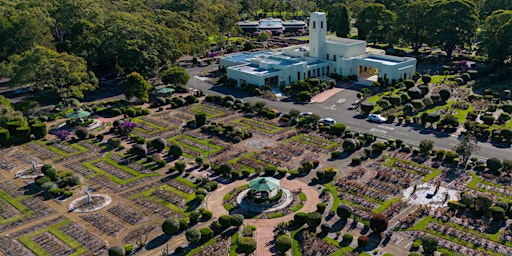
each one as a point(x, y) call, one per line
point(452, 24)
point(412, 23)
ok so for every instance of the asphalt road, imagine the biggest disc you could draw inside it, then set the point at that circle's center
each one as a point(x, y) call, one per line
point(337, 107)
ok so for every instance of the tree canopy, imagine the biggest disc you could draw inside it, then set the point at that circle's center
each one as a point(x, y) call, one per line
point(375, 23)
point(137, 87)
point(338, 20)
point(64, 73)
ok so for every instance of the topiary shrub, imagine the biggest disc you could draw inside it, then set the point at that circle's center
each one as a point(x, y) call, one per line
point(236, 220)
point(300, 218)
point(445, 94)
point(314, 219)
point(39, 130)
point(367, 107)
point(193, 236)
point(139, 150)
point(320, 207)
point(206, 235)
point(81, 132)
point(116, 251)
point(175, 150)
point(362, 241)
point(170, 226)
point(5, 137)
point(22, 133)
point(225, 221)
point(283, 243)
point(128, 248)
point(350, 145)
point(426, 79)
point(325, 227)
point(347, 239)
point(409, 83)
point(246, 245)
point(379, 223)
point(429, 243)
point(344, 211)
point(159, 144)
point(497, 213)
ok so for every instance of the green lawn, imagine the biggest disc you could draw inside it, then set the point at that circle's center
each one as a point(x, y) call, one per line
point(234, 245)
point(295, 243)
point(195, 250)
point(297, 207)
point(440, 78)
point(334, 194)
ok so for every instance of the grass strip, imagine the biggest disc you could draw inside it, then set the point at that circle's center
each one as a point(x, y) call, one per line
point(193, 251)
point(302, 197)
point(275, 215)
point(295, 243)
point(386, 205)
point(234, 245)
point(334, 193)
point(297, 207)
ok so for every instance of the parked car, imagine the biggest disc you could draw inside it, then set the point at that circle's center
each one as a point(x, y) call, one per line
point(327, 121)
point(22, 90)
point(377, 118)
point(303, 114)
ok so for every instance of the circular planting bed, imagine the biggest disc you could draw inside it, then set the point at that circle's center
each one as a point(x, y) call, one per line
point(82, 204)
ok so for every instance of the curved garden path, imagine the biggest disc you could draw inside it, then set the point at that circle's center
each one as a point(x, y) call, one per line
point(265, 227)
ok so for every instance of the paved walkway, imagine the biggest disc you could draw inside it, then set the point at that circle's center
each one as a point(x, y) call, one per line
point(264, 227)
point(323, 96)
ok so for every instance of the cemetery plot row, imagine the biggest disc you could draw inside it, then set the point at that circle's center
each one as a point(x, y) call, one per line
point(218, 248)
point(40, 150)
point(140, 168)
point(258, 126)
point(211, 113)
point(127, 214)
point(314, 143)
point(194, 146)
point(28, 210)
point(58, 236)
point(139, 233)
point(104, 223)
point(451, 245)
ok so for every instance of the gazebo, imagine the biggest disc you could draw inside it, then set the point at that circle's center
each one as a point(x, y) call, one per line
point(264, 187)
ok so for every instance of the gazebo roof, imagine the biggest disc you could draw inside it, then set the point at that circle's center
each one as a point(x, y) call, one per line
point(264, 184)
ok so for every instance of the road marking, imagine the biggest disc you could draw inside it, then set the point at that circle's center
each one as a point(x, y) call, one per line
point(386, 127)
point(332, 107)
point(341, 101)
point(326, 107)
point(351, 122)
point(378, 130)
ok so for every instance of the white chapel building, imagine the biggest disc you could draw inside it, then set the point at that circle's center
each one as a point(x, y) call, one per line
point(322, 57)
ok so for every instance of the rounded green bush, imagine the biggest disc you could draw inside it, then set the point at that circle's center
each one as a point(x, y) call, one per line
point(246, 245)
point(116, 251)
point(170, 226)
point(283, 243)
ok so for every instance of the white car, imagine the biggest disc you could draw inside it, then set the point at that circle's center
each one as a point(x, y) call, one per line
point(377, 118)
point(303, 114)
point(327, 121)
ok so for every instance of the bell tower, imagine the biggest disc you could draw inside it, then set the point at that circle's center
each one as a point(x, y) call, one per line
point(317, 35)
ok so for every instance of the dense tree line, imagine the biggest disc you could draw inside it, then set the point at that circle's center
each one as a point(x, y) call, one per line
point(65, 44)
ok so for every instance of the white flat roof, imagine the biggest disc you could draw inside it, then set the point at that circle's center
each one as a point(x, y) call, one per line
point(384, 61)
